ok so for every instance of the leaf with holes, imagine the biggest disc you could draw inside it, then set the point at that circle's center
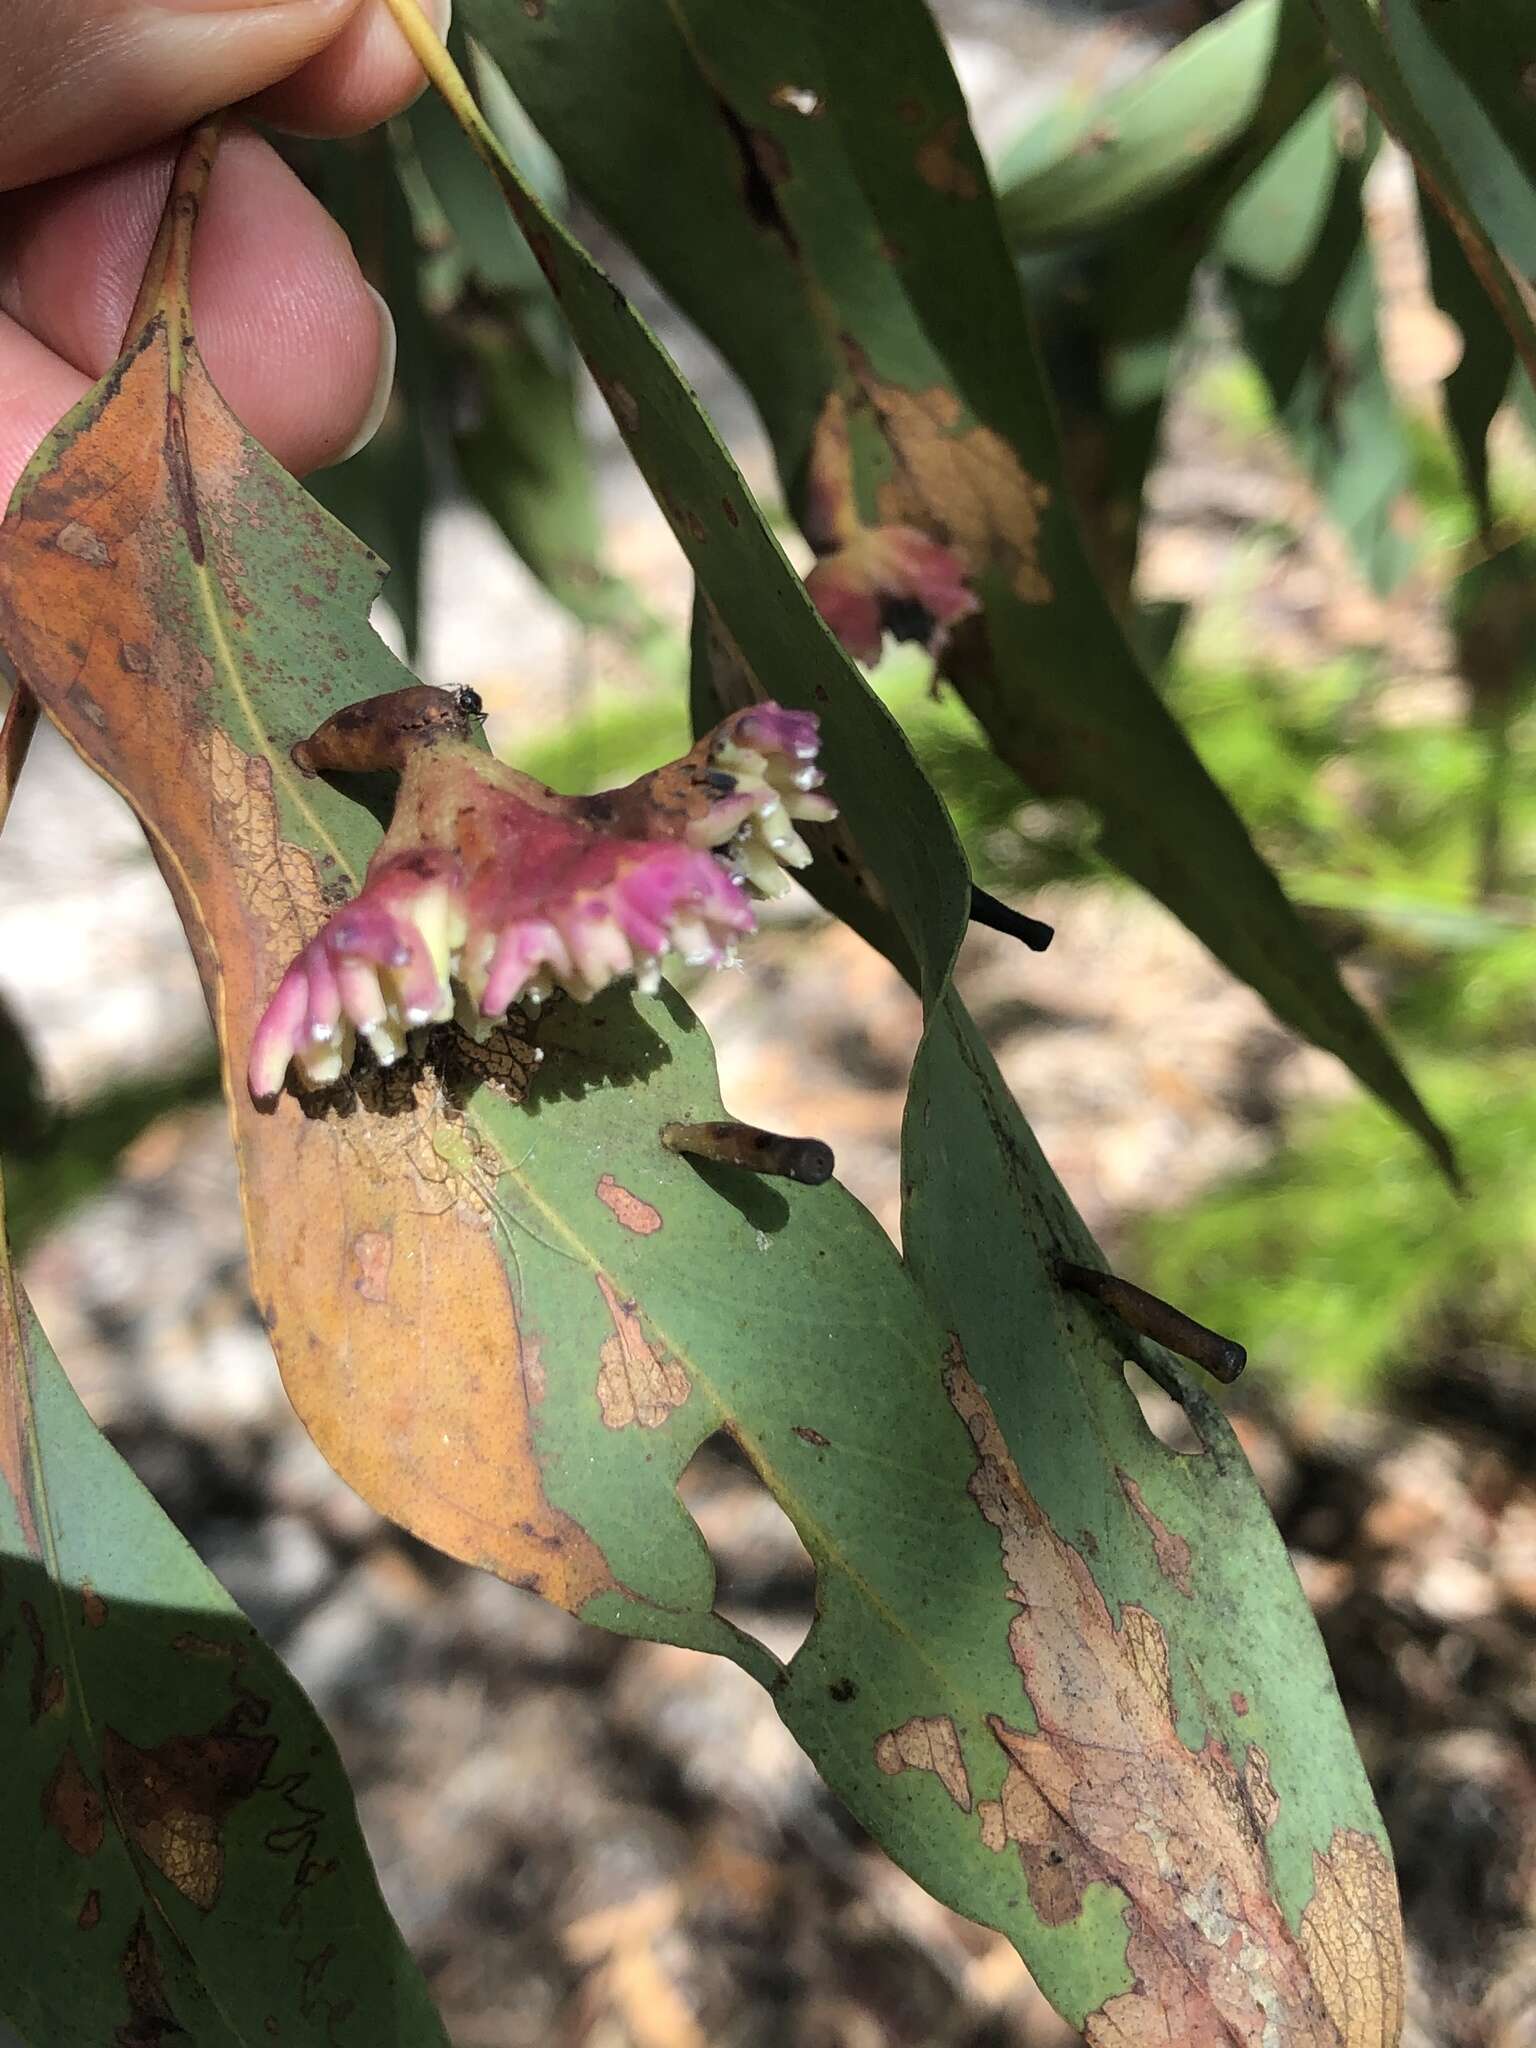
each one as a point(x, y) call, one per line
point(857, 278)
point(510, 1315)
point(178, 1843)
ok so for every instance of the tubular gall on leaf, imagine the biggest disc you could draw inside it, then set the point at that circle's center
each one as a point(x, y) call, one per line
point(1150, 1316)
point(490, 889)
point(730, 1144)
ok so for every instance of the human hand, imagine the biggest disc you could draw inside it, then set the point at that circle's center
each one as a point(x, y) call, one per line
point(93, 94)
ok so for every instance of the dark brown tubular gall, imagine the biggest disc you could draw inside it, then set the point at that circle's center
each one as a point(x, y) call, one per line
point(1159, 1320)
point(728, 1144)
point(1002, 917)
point(377, 734)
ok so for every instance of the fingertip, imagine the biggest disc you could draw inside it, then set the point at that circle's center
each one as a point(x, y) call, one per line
point(366, 75)
point(36, 390)
point(383, 381)
point(291, 332)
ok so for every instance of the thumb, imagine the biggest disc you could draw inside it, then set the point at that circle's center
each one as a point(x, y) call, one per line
point(84, 81)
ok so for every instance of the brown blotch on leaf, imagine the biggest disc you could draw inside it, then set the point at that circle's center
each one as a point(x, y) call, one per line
point(1106, 1791)
point(1239, 1703)
point(927, 1743)
point(89, 1913)
point(78, 540)
point(962, 485)
point(150, 2021)
point(1259, 1788)
point(626, 1208)
point(45, 1689)
point(1171, 1550)
point(622, 403)
point(372, 1251)
point(73, 1807)
point(178, 463)
point(939, 166)
point(1352, 1938)
point(638, 1386)
point(535, 1377)
point(175, 1798)
point(812, 1436)
point(843, 1690)
point(93, 1609)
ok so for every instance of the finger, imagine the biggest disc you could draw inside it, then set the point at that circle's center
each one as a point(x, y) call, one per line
point(82, 81)
point(366, 75)
point(36, 389)
point(296, 342)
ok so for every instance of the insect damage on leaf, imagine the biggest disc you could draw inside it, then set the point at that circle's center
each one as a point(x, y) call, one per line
point(1352, 1940)
point(869, 580)
point(150, 2018)
point(626, 1208)
point(72, 1806)
point(174, 1799)
point(1105, 1791)
point(638, 1386)
point(372, 1251)
point(490, 889)
point(941, 160)
point(1171, 1549)
point(927, 1744)
point(954, 501)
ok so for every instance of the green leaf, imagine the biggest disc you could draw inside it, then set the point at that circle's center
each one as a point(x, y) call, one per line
point(1469, 69)
point(383, 492)
point(1476, 387)
point(1459, 156)
point(24, 1114)
point(522, 453)
point(84, 1143)
point(510, 1314)
point(524, 458)
point(849, 262)
point(1081, 169)
point(1111, 311)
point(178, 1844)
point(1307, 313)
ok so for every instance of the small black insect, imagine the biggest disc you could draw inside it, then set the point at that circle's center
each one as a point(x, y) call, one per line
point(468, 702)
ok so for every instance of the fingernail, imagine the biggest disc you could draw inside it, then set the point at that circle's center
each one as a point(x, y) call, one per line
point(383, 389)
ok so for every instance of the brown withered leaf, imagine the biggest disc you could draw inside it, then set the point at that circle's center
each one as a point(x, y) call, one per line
point(186, 614)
